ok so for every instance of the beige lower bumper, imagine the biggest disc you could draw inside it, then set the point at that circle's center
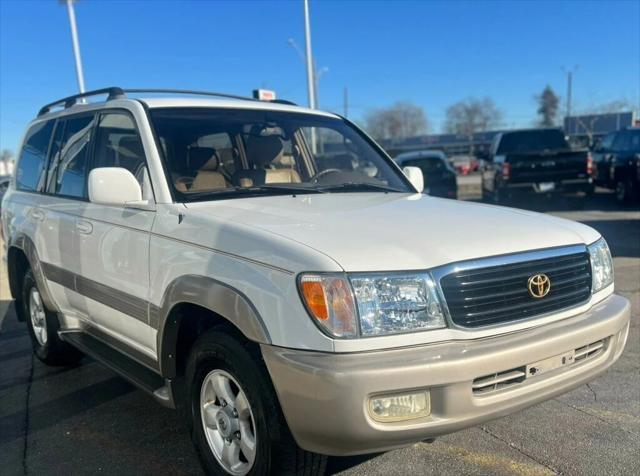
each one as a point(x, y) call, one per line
point(325, 396)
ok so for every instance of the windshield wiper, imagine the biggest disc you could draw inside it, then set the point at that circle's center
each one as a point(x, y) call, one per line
point(360, 186)
point(279, 189)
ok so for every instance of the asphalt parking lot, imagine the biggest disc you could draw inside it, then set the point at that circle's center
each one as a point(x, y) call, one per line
point(87, 420)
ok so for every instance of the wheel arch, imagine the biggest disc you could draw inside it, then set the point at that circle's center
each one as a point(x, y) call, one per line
point(22, 255)
point(195, 303)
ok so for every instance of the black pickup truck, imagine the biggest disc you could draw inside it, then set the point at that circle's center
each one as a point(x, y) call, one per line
point(535, 161)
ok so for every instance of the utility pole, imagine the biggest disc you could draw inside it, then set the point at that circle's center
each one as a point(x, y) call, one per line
point(346, 102)
point(76, 45)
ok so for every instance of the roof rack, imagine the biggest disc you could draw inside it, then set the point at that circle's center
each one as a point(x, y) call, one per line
point(115, 92)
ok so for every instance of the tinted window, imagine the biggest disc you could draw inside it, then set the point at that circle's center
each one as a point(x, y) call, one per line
point(119, 145)
point(69, 173)
point(634, 140)
point(621, 143)
point(607, 142)
point(428, 165)
point(531, 141)
point(33, 158)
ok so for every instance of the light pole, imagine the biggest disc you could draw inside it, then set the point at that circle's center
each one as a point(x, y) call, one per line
point(309, 57)
point(76, 43)
point(569, 86)
point(317, 72)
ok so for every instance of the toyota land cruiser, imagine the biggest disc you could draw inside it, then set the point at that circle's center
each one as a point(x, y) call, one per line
point(268, 270)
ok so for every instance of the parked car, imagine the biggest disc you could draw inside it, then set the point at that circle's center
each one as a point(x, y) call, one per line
point(536, 161)
point(439, 175)
point(292, 307)
point(464, 164)
point(617, 163)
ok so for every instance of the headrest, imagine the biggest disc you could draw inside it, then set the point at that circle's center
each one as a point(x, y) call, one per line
point(263, 150)
point(130, 147)
point(286, 161)
point(203, 158)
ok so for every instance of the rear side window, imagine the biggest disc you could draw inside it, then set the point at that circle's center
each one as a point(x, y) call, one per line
point(68, 175)
point(33, 159)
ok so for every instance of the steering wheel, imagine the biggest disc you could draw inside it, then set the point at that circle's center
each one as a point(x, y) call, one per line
point(322, 173)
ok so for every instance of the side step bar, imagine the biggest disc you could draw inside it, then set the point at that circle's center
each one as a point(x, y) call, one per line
point(136, 373)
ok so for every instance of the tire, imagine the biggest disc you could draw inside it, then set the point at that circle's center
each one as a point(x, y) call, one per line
point(43, 328)
point(624, 191)
point(249, 416)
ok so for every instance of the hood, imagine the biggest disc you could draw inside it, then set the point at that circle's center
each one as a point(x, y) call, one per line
point(383, 232)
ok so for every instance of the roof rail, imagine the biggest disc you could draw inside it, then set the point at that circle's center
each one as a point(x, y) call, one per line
point(120, 93)
point(113, 93)
point(206, 93)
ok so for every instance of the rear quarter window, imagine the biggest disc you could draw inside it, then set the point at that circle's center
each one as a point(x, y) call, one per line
point(33, 158)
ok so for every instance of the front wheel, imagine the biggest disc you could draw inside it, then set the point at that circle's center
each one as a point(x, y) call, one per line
point(235, 418)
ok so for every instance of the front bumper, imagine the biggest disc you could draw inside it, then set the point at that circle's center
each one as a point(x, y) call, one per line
point(325, 396)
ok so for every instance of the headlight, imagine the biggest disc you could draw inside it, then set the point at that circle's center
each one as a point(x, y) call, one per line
point(372, 305)
point(395, 304)
point(601, 265)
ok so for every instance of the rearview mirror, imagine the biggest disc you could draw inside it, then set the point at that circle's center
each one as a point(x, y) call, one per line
point(113, 186)
point(414, 174)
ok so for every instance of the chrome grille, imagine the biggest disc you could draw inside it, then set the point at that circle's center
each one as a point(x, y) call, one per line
point(499, 294)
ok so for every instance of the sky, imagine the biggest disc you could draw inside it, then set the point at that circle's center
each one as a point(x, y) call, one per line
point(430, 53)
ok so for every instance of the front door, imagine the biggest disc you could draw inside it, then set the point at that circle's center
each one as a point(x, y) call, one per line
point(113, 242)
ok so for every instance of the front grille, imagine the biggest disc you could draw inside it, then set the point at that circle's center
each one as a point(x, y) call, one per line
point(499, 294)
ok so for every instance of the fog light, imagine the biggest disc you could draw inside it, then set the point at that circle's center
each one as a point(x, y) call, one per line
point(404, 406)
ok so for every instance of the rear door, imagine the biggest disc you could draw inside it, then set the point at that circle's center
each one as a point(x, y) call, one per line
point(113, 241)
point(64, 198)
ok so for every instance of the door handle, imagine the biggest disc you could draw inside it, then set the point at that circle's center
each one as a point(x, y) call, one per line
point(84, 227)
point(37, 214)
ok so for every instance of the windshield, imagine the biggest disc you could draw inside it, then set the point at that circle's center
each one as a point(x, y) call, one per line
point(532, 141)
point(229, 152)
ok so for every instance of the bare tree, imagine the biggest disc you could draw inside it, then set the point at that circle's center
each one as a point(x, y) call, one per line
point(548, 104)
point(590, 116)
point(470, 116)
point(399, 121)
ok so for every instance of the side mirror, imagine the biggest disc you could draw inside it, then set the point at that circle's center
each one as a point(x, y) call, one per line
point(414, 174)
point(114, 186)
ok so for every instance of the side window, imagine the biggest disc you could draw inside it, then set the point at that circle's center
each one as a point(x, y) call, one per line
point(607, 142)
point(68, 174)
point(621, 142)
point(33, 159)
point(118, 144)
point(634, 140)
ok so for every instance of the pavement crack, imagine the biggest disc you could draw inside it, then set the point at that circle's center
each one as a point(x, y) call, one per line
point(607, 422)
point(26, 419)
point(519, 450)
point(595, 395)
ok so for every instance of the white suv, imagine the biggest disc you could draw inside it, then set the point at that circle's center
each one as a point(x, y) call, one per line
point(270, 271)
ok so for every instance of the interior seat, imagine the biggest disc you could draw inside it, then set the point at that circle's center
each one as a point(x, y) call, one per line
point(208, 176)
point(264, 153)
